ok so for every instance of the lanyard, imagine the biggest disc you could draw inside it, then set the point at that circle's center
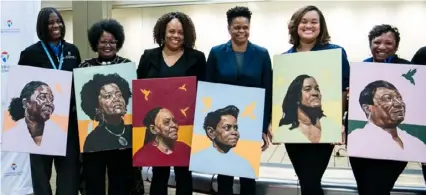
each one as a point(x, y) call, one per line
point(61, 59)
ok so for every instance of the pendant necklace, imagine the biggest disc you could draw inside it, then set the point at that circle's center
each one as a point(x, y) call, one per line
point(121, 139)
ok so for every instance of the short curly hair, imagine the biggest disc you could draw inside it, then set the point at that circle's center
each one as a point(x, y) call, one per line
point(90, 91)
point(238, 11)
point(107, 25)
point(384, 28)
point(189, 33)
point(213, 118)
point(323, 37)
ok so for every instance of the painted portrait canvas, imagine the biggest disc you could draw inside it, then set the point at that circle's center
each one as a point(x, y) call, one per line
point(307, 97)
point(163, 120)
point(104, 106)
point(227, 137)
point(38, 105)
point(386, 115)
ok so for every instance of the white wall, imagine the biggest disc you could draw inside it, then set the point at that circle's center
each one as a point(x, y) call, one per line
point(348, 24)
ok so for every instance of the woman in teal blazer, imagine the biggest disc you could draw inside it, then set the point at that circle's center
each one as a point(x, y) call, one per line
point(240, 62)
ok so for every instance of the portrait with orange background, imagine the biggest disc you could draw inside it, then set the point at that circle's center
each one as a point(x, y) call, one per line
point(163, 116)
point(41, 97)
point(228, 124)
point(104, 106)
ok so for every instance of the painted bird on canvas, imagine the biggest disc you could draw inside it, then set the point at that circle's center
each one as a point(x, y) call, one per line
point(249, 111)
point(183, 87)
point(146, 93)
point(409, 75)
point(183, 111)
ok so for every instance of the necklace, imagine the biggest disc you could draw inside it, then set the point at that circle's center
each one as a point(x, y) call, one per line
point(114, 61)
point(121, 139)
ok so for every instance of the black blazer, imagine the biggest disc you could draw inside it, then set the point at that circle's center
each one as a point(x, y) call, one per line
point(151, 60)
point(35, 56)
point(420, 57)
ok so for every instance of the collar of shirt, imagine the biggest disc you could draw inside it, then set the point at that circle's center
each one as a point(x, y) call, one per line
point(56, 48)
point(387, 60)
point(377, 131)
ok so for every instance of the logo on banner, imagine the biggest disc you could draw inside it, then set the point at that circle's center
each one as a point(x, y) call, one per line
point(8, 27)
point(14, 166)
point(4, 56)
point(12, 173)
point(9, 23)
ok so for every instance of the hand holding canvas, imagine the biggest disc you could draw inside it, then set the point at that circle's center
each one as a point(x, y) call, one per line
point(345, 108)
point(268, 138)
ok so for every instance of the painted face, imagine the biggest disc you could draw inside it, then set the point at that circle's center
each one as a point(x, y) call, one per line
point(309, 27)
point(226, 132)
point(388, 109)
point(311, 94)
point(174, 35)
point(166, 125)
point(239, 29)
point(111, 101)
point(55, 27)
point(107, 45)
point(40, 104)
point(383, 46)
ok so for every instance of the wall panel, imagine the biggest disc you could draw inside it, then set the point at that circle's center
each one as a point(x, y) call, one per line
point(348, 24)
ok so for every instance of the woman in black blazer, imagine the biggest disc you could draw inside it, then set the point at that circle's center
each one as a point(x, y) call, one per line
point(53, 52)
point(175, 57)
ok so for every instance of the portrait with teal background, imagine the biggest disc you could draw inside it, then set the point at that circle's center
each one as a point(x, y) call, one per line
point(86, 123)
point(307, 97)
point(227, 136)
point(386, 115)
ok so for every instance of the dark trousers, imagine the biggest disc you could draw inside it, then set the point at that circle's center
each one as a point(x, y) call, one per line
point(424, 172)
point(160, 179)
point(376, 177)
point(226, 184)
point(67, 170)
point(118, 165)
point(310, 162)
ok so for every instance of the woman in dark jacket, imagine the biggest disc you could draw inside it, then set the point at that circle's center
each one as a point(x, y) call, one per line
point(106, 37)
point(240, 62)
point(308, 32)
point(420, 59)
point(175, 57)
point(374, 176)
point(53, 52)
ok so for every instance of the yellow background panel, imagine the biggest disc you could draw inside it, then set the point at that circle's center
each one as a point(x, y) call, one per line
point(184, 135)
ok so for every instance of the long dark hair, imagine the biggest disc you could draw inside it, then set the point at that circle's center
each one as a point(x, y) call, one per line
point(290, 102)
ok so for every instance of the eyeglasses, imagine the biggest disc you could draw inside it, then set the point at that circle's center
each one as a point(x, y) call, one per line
point(110, 42)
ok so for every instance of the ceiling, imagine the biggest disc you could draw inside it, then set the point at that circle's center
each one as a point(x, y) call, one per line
point(67, 5)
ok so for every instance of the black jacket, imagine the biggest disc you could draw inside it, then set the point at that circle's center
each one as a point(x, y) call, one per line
point(35, 56)
point(420, 57)
point(398, 60)
point(151, 59)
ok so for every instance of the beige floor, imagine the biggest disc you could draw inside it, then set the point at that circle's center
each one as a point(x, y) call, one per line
point(276, 154)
